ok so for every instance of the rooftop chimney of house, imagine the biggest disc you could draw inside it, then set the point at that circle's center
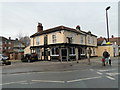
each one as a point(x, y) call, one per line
point(16, 39)
point(9, 38)
point(39, 27)
point(78, 27)
point(112, 36)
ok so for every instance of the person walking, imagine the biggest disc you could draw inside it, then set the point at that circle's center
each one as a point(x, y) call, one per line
point(89, 54)
point(106, 56)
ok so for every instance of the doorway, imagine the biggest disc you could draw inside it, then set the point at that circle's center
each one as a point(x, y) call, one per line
point(64, 54)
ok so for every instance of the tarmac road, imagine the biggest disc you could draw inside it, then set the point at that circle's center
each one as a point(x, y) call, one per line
point(60, 75)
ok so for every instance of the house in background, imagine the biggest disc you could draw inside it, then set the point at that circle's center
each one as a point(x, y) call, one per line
point(113, 48)
point(62, 43)
point(12, 48)
point(6, 45)
point(18, 50)
point(101, 41)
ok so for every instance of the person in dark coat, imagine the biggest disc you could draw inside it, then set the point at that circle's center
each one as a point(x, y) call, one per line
point(106, 56)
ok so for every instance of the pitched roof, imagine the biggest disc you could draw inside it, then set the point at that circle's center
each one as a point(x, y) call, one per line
point(100, 40)
point(115, 39)
point(112, 40)
point(59, 28)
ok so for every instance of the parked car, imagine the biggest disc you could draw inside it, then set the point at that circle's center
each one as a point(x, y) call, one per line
point(4, 60)
point(29, 57)
point(3, 57)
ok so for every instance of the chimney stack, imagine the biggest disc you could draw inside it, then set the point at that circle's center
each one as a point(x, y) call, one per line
point(112, 36)
point(39, 27)
point(9, 38)
point(78, 27)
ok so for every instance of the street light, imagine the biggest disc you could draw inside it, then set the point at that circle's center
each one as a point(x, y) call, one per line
point(107, 21)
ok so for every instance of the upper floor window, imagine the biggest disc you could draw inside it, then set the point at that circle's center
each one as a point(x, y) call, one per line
point(0, 42)
point(9, 47)
point(9, 42)
point(88, 39)
point(93, 40)
point(5, 47)
point(5, 42)
point(37, 40)
point(54, 38)
point(82, 39)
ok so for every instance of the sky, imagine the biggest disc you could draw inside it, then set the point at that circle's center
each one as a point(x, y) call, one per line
point(22, 17)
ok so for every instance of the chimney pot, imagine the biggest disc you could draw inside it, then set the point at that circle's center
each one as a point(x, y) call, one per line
point(78, 27)
point(112, 36)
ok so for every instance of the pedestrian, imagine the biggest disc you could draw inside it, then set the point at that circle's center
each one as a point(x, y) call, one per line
point(103, 61)
point(106, 56)
point(109, 61)
point(89, 55)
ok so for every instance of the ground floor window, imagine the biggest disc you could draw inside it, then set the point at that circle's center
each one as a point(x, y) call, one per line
point(38, 52)
point(55, 51)
point(72, 51)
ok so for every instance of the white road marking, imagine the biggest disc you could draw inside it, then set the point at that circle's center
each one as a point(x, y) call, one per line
point(99, 73)
point(107, 70)
point(47, 81)
point(91, 69)
point(112, 74)
point(83, 79)
point(13, 82)
point(110, 78)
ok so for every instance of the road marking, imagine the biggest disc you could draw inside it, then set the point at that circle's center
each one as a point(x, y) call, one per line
point(107, 70)
point(110, 78)
point(83, 79)
point(13, 82)
point(47, 81)
point(112, 74)
point(99, 73)
point(91, 69)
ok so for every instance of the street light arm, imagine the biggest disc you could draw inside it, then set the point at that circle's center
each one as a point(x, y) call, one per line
point(108, 8)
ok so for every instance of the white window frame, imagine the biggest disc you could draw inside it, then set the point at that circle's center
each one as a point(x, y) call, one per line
point(93, 41)
point(72, 54)
point(88, 39)
point(54, 38)
point(37, 40)
point(9, 42)
point(5, 48)
point(5, 42)
point(82, 39)
point(9, 47)
point(54, 51)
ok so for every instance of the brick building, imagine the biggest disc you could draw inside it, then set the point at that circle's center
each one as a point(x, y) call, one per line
point(12, 48)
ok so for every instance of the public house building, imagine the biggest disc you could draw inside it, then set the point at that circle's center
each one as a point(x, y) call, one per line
point(62, 43)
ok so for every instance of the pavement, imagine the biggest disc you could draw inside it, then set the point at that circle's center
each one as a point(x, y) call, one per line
point(44, 66)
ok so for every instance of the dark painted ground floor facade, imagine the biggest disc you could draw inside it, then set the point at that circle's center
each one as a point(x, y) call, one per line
point(62, 52)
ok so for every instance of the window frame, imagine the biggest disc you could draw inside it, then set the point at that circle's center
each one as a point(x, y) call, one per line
point(82, 39)
point(72, 52)
point(37, 40)
point(55, 51)
point(54, 39)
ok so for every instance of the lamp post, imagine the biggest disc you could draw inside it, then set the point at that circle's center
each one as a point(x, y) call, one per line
point(107, 21)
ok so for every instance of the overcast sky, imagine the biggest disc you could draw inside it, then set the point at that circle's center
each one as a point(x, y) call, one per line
point(22, 17)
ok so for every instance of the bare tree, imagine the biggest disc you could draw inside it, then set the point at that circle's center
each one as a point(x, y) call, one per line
point(24, 39)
